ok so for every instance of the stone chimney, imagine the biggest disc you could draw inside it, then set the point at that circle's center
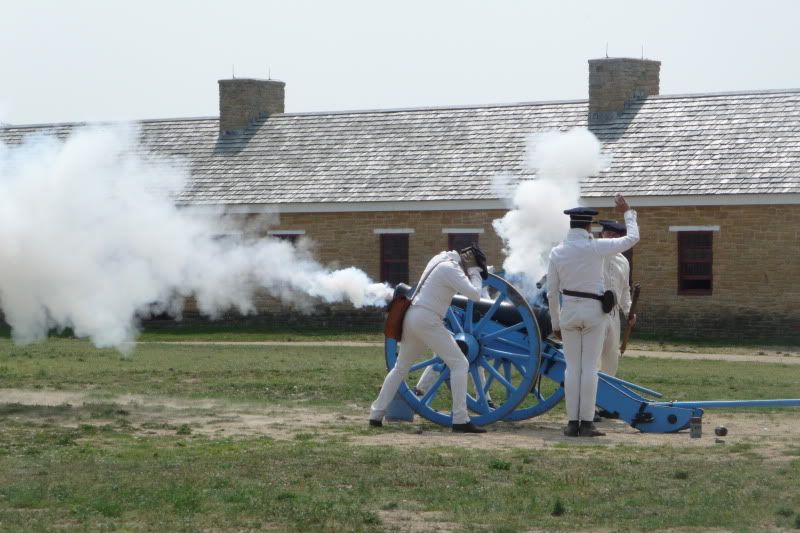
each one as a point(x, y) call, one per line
point(615, 82)
point(241, 101)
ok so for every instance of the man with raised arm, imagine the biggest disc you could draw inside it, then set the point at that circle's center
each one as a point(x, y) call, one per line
point(575, 289)
point(616, 272)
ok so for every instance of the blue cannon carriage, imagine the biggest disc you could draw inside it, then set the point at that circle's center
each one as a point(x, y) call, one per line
point(517, 372)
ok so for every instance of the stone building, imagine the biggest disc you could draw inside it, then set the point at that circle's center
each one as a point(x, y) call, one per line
point(715, 178)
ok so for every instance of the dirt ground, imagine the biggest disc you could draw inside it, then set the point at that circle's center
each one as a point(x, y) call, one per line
point(769, 435)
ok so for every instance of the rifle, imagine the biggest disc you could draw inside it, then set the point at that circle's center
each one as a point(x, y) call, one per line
point(628, 327)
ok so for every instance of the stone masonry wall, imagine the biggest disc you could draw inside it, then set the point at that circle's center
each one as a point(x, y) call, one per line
point(615, 81)
point(345, 239)
point(241, 101)
point(756, 253)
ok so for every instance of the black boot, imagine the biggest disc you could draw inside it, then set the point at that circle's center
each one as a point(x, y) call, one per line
point(572, 429)
point(588, 429)
point(469, 427)
point(375, 423)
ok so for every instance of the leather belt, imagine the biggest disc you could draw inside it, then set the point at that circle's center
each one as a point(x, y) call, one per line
point(582, 294)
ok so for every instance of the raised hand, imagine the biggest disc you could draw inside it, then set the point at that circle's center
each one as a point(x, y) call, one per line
point(620, 203)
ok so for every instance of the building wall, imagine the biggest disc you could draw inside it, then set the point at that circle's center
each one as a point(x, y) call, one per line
point(756, 253)
point(345, 239)
point(756, 272)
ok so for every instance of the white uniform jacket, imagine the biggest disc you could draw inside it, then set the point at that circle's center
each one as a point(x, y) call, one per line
point(446, 279)
point(616, 274)
point(577, 263)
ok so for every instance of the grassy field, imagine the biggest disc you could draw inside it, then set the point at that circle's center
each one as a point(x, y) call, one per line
point(253, 329)
point(158, 441)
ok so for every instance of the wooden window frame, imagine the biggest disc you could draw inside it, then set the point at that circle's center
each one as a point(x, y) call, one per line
point(682, 247)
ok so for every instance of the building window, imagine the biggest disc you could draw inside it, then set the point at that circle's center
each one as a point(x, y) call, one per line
point(291, 237)
point(229, 239)
point(287, 235)
point(457, 241)
point(458, 238)
point(694, 262)
point(394, 258)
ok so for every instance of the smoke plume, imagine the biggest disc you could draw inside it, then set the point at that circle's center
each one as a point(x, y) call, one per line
point(90, 239)
point(536, 221)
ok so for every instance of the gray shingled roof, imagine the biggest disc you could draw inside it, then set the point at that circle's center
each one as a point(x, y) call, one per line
point(664, 145)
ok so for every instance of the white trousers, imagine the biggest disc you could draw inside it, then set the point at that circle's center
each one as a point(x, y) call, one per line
point(583, 326)
point(427, 379)
point(423, 329)
point(609, 360)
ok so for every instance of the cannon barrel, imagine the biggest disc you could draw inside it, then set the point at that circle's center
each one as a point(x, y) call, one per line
point(507, 314)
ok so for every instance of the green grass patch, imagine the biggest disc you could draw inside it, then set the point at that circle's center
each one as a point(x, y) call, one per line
point(252, 329)
point(313, 375)
point(317, 375)
point(711, 380)
point(644, 341)
point(243, 329)
point(101, 473)
point(326, 486)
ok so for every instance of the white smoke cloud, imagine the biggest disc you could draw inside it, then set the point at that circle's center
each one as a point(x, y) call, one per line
point(90, 239)
point(536, 222)
point(503, 187)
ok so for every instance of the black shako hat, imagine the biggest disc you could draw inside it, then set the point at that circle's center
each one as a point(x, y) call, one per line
point(613, 225)
point(580, 214)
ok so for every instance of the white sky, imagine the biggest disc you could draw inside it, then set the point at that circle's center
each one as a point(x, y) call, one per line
point(95, 60)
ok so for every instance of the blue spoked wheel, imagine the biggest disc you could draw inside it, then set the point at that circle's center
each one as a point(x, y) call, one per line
point(500, 338)
point(547, 390)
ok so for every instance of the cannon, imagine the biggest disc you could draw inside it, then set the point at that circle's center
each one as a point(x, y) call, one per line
point(516, 372)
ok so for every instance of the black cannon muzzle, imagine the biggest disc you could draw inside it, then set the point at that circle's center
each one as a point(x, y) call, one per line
point(506, 314)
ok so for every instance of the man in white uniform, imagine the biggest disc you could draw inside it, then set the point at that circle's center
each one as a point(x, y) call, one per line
point(423, 327)
point(616, 275)
point(575, 273)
